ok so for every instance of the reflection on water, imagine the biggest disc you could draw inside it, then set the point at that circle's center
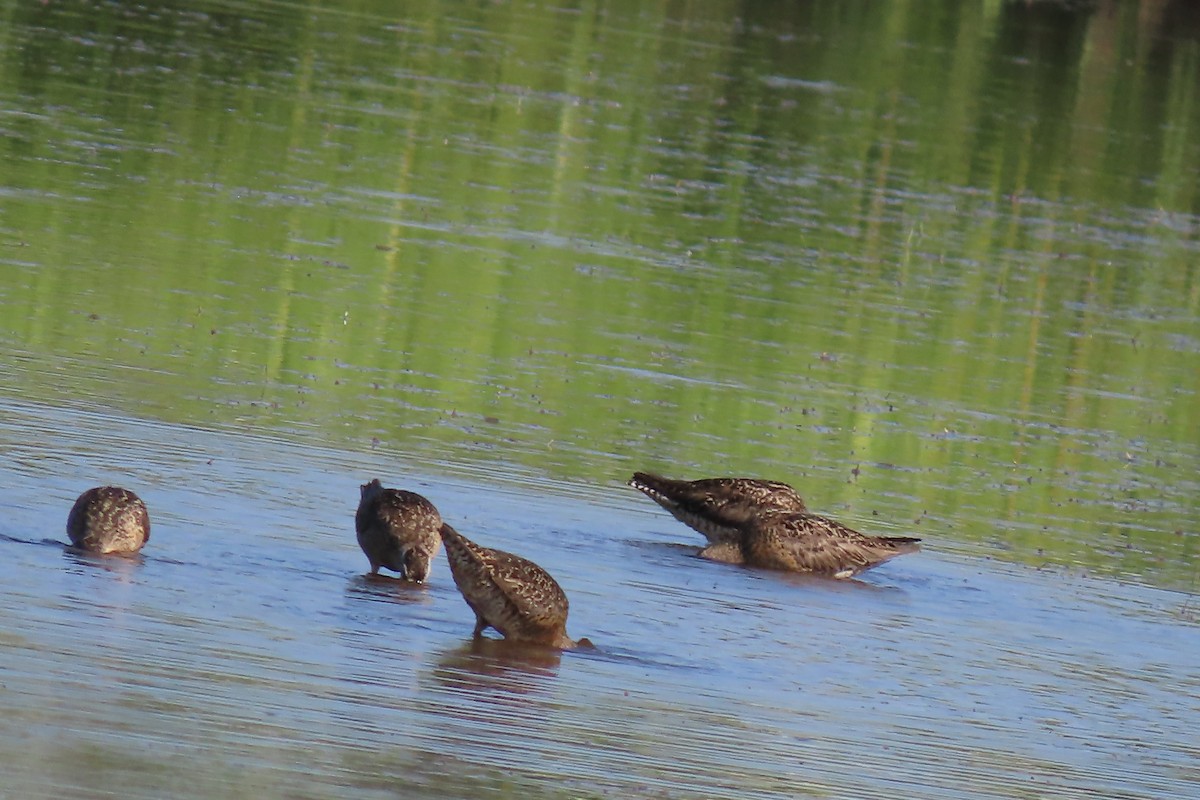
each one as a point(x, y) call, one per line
point(247, 648)
point(900, 270)
point(385, 588)
point(501, 674)
point(122, 564)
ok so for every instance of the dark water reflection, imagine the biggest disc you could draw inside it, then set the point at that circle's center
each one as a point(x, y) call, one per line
point(245, 650)
point(486, 665)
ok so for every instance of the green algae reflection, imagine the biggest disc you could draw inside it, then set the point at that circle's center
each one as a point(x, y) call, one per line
point(937, 265)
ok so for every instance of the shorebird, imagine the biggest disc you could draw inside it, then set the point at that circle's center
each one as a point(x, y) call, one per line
point(509, 593)
point(718, 507)
point(398, 530)
point(108, 519)
point(766, 524)
point(811, 543)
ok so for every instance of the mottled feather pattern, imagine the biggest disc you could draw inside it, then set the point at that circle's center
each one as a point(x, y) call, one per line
point(811, 543)
point(397, 529)
point(766, 524)
point(718, 507)
point(109, 519)
point(509, 593)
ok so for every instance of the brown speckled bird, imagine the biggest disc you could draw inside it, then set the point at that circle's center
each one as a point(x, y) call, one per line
point(509, 593)
point(811, 543)
point(398, 530)
point(718, 507)
point(108, 519)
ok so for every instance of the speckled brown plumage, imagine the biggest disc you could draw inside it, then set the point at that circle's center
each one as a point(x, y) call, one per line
point(398, 530)
point(509, 593)
point(811, 543)
point(109, 519)
point(717, 507)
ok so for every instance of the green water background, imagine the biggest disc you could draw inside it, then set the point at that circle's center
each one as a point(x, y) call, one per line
point(935, 263)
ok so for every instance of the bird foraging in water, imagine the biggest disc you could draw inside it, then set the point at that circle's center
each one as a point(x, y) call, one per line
point(509, 593)
point(398, 530)
point(811, 543)
point(766, 524)
point(109, 519)
point(718, 507)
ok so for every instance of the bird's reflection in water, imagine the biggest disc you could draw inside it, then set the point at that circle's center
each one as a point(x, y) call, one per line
point(385, 588)
point(123, 565)
point(488, 666)
point(826, 583)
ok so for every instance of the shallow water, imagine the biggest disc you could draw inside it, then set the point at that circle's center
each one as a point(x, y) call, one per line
point(936, 265)
point(246, 653)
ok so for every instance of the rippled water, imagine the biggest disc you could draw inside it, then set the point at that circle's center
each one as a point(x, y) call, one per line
point(245, 653)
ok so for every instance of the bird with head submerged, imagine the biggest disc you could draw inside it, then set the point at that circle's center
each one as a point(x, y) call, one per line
point(511, 594)
point(718, 507)
point(398, 530)
point(108, 519)
point(766, 524)
point(811, 543)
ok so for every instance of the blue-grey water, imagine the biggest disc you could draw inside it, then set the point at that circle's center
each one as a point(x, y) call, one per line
point(245, 653)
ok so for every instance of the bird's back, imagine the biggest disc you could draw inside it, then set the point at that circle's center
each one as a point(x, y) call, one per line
point(397, 529)
point(109, 519)
point(812, 543)
point(510, 593)
point(718, 507)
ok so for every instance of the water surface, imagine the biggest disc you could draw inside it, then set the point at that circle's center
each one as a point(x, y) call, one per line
point(245, 651)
